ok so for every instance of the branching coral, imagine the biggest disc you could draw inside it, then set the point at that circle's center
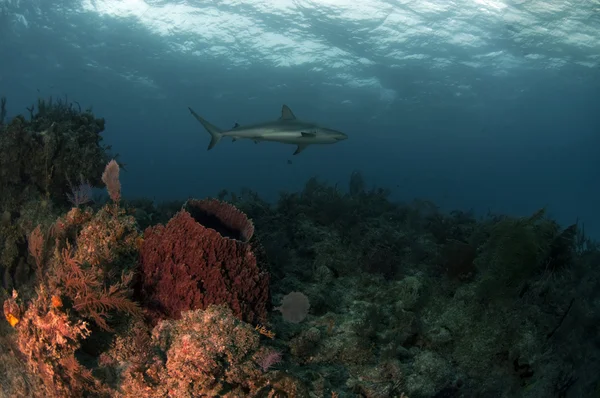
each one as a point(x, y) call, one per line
point(83, 290)
point(89, 271)
point(48, 339)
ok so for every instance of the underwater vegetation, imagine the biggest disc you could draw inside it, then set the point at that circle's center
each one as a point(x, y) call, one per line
point(328, 292)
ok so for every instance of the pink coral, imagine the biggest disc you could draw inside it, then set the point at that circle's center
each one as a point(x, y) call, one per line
point(84, 287)
point(203, 257)
point(90, 272)
point(269, 359)
point(206, 353)
point(48, 340)
point(110, 177)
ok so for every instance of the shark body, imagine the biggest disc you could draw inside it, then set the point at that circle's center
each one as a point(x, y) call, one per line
point(286, 130)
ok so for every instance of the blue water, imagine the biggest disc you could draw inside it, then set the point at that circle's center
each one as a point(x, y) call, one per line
point(482, 104)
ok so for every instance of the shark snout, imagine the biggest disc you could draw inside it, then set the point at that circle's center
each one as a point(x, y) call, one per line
point(336, 135)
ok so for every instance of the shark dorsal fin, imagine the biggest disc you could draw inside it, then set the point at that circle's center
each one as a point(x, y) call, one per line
point(286, 113)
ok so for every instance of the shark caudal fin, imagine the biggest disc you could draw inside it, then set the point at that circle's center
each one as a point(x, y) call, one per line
point(214, 131)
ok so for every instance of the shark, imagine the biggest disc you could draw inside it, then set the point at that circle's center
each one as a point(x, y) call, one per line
point(288, 129)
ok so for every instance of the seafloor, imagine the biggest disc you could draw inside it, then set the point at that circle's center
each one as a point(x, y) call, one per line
point(329, 292)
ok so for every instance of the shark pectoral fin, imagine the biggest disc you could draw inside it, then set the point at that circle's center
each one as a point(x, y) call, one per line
point(234, 139)
point(286, 113)
point(309, 135)
point(300, 148)
point(256, 141)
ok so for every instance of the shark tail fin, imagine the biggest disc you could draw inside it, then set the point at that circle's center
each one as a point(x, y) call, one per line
point(215, 133)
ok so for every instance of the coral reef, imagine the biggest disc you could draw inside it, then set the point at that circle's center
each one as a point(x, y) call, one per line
point(48, 340)
point(41, 155)
point(83, 271)
point(377, 299)
point(458, 306)
point(207, 353)
point(202, 257)
point(42, 159)
point(94, 271)
point(84, 275)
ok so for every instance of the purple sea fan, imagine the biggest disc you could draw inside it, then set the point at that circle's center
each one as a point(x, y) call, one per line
point(269, 359)
point(80, 194)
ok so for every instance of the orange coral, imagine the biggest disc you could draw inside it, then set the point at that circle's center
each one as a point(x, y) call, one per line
point(56, 301)
point(264, 331)
point(12, 310)
point(12, 320)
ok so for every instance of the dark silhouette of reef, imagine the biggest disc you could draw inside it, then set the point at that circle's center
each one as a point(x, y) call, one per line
point(123, 298)
point(43, 158)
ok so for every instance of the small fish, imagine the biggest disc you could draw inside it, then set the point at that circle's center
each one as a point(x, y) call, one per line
point(286, 130)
